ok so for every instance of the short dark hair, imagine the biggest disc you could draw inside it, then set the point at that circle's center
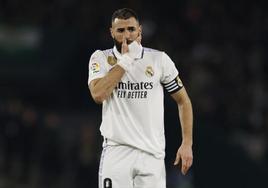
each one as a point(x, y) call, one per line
point(124, 13)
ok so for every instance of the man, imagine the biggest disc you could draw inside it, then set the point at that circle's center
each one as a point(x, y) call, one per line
point(128, 80)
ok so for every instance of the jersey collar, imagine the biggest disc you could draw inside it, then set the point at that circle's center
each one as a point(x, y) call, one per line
point(138, 53)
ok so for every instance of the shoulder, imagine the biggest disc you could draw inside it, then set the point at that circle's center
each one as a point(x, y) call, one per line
point(155, 53)
point(101, 53)
point(151, 50)
point(105, 52)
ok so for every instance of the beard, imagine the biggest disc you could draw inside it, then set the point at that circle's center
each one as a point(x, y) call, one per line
point(118, 44)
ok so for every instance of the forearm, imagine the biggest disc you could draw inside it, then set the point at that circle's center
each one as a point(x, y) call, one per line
point(103, 88)
point(186, 120)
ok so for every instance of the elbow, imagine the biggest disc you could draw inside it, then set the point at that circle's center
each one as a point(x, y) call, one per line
point(185, 102)
point(99, 97)
point(98, 94)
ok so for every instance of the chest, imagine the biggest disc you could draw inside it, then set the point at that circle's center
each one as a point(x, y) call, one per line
point(144, 70)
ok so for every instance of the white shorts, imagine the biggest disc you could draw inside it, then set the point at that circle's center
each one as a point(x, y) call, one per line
point(126, 167)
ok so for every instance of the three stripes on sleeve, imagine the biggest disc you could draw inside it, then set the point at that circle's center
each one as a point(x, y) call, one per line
point(173, 86)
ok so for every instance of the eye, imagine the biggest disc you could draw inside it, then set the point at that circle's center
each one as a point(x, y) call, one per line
point(131, 29)
point(120, 30)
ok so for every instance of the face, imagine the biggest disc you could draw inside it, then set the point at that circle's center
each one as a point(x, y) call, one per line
point(128, 29)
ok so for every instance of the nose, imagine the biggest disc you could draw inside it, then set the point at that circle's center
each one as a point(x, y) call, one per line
point(126, 34)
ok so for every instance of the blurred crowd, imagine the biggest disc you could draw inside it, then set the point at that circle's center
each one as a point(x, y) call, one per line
point(46, 148)
point(49, 128)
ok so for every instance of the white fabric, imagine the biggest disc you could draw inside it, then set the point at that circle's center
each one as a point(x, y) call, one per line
point(126, 167)
point(135, 50)
point(126, 62)
point(133, 114)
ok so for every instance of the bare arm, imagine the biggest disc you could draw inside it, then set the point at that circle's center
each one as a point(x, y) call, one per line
point(184, 152)
point(102, 88)
point(185, 114)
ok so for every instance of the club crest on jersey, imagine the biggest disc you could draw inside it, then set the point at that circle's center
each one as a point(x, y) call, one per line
point(179, 81)
point(111, 60)
point(95, 67)
point(149, 71)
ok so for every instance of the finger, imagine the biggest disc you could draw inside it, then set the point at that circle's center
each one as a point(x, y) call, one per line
point(124, 48)
point(184, 170)
point(177, 161)
point(184, 162)
point(189, 163)
point(184, 166)
point(124, 41)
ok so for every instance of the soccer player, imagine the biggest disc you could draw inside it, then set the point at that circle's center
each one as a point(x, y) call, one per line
point(129, 80)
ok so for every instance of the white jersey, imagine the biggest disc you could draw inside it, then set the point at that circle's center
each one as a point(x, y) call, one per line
point(134, 114)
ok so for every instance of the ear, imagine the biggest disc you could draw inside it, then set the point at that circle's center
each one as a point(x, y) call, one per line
point(111, 31)
point(140, 29)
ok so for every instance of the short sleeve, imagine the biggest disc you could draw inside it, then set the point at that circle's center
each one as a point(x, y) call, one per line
point(170, 79)
point(169, 71)
point(96, 67)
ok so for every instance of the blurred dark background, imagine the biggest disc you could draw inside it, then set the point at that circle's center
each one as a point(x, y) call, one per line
point(49, 124)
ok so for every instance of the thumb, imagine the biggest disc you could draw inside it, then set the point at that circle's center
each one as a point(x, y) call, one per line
point(177, 161)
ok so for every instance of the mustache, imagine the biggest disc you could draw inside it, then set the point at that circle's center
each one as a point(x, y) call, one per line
point(129, 41)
